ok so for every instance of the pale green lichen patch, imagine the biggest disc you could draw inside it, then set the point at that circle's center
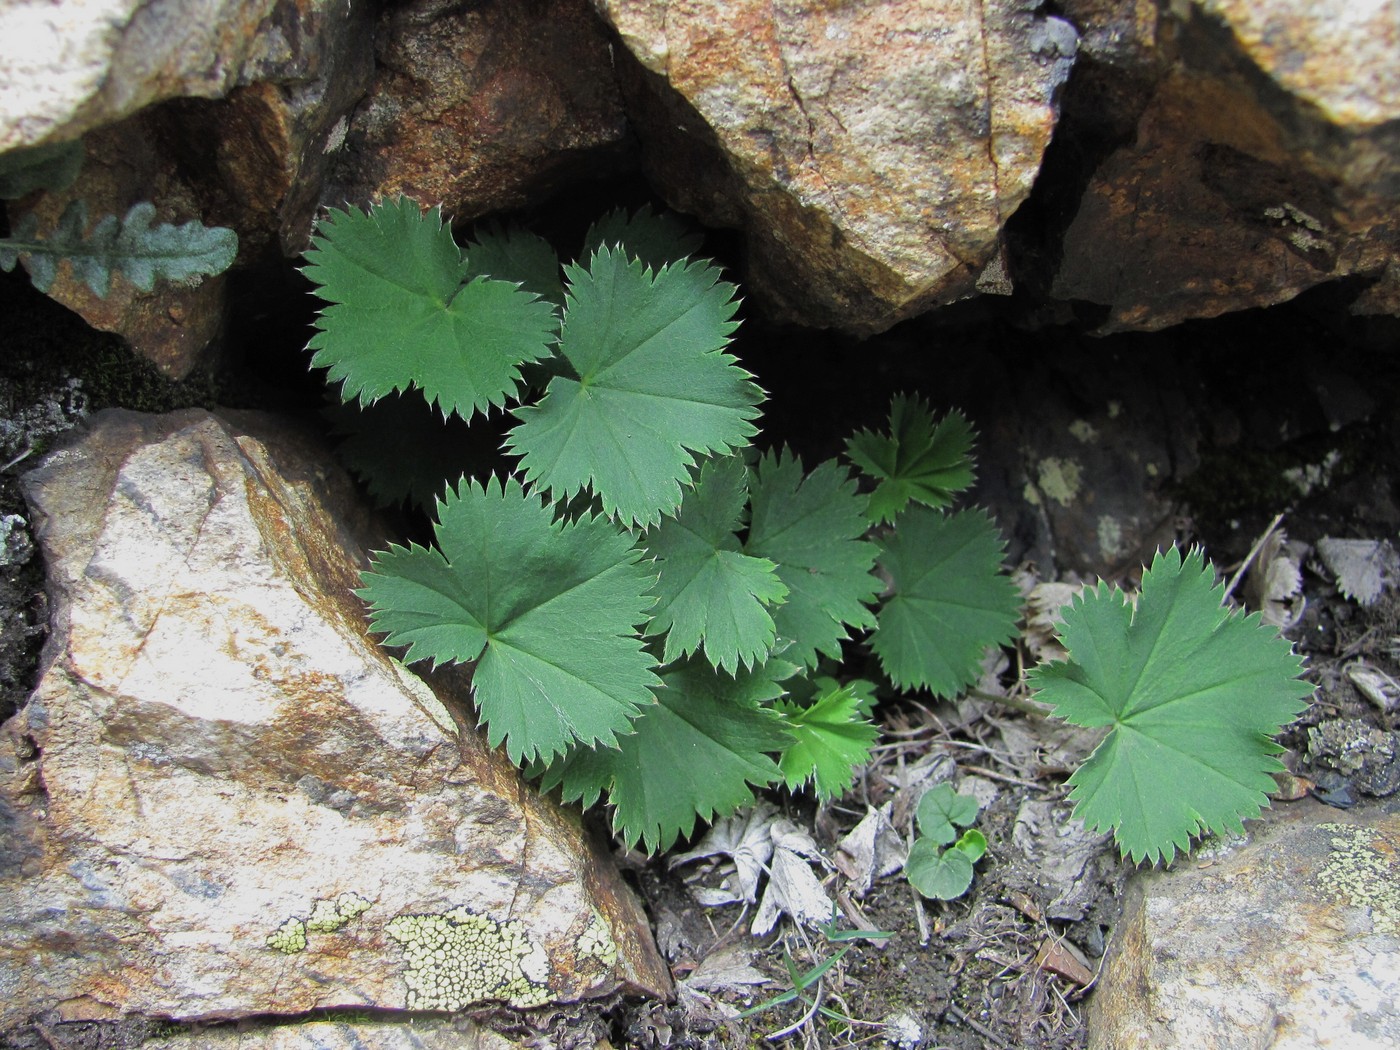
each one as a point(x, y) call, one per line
point(1059, 479)
point(289, 938)
point(596, 941)
point(1083, 431)
point(1362, 872)
point(459, 958)
point(327, 916)
point(1110, 535)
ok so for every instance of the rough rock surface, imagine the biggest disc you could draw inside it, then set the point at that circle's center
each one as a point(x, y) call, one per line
point(871, 152)
point(254, 160)
point(1289, 942)
point(482, 106)
point(1263, 160)
point(173, 325)
point(67, 69)
point(224, 800)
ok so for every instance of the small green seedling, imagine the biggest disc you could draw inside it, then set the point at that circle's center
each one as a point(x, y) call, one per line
point(806, 984)
point(944, 874)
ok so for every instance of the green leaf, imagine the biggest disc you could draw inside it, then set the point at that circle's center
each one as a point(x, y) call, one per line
point(950, 599)
point(709, 591)
point(973, 843)
point(547, 609)
point(812, 529)
point(401, 316)
point(508, 253)
point(656, 240)
point(832, 739)
point(693, 755)
point(916, 461)
point(654, 387)
point(941, 809)
point(1193, 693)
point(52, 167)
point(941, 875)
point(132, 247)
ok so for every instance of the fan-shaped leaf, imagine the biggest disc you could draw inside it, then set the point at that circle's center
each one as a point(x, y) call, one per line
point(950, 599)
point(811, 528)
point(696, 754)
point(401, 316)
point(654, 387)
point(832, 739)
point(1193, 693)
point(508, 253)
point(709, 591)
point(547, 609)
point(916, 461)
point(656, 240)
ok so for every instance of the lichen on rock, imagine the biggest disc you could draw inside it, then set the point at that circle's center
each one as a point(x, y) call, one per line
point(458, 958)
point(290, 937)
point(596, 941)
point(1362, 872)
point(327, 916)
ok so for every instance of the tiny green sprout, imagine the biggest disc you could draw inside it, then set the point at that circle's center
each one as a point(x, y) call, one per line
point(805, 985)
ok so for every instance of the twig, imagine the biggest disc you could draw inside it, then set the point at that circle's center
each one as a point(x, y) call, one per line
point(981, 1029)
point(1253, 553)
point(1030, 707)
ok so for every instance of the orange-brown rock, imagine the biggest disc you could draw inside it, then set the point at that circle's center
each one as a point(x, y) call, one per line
point(1264, 162)
point(481, 107)
point(871, 152)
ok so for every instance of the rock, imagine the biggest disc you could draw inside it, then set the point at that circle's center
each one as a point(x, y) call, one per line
point(339, 1034)
point(870, 152)
point(1367, 758)
point(174, 324)
point(255, 160)
point(65, 72)
point(1289, 942)
point(483, 107)
point(224, 800)
point(1263, 162)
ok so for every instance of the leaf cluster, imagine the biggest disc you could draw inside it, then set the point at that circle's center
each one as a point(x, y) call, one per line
point(645, 607)
point(134, 246)
point(654, 609)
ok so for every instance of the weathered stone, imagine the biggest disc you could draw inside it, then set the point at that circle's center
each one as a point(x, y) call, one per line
point(173, 324)
point(421, 1034)
point(65, 71)
point(479, 107)
point(1289, 942)
point(871, 152)
point(1265, 162)
point(255, 161)
point(224, 800)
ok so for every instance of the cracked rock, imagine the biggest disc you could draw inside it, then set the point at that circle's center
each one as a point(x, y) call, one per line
point(225, 800)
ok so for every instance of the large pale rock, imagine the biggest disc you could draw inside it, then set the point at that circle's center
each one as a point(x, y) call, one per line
point(1264, 161)
point(224, 800)
point(483, 107)
point(1291, 942)
point(871, 152)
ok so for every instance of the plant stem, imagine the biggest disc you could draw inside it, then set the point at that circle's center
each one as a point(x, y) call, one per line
point(1030, 707)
